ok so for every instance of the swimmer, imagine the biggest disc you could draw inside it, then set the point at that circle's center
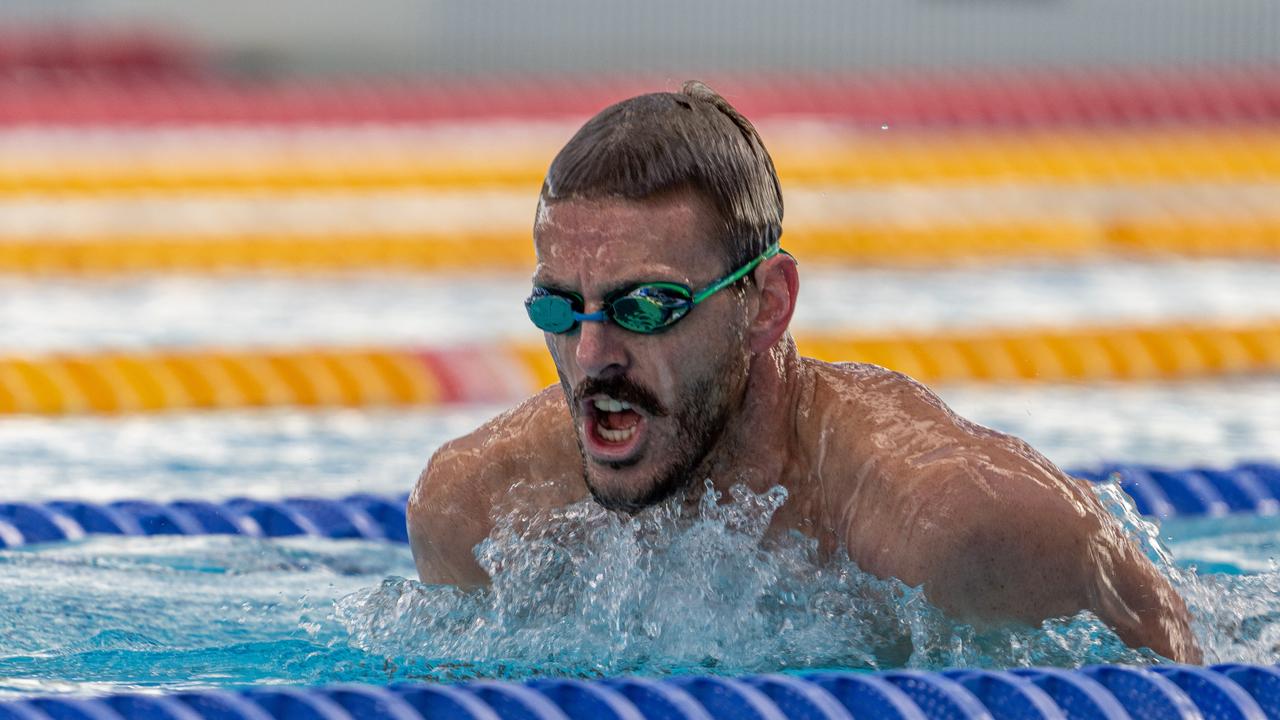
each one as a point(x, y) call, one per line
point(665, 301)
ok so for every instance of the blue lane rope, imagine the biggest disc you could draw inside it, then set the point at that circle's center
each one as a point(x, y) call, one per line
point(1160, 492)
point(1102, 692)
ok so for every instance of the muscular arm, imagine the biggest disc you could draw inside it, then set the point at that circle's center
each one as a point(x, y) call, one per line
point(992, 529)
point(446, 520)
point(451, 509)
point(1029, 559)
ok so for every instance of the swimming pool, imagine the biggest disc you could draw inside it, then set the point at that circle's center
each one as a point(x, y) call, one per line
point(115, 613)
point(1156, 208)
point(588, 597)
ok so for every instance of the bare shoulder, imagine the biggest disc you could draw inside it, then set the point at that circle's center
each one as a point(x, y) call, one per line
point(894, 408)
point(519, 441)
point(450, 509)
point(905, 427)
point(920, 473)
point(989, 527)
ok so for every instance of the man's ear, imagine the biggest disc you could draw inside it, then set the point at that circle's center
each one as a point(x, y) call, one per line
point(778, 280)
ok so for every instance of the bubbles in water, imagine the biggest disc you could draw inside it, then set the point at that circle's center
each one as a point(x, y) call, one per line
point(581, 591)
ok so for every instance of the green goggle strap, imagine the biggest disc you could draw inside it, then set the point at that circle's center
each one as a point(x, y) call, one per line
point(728, 280)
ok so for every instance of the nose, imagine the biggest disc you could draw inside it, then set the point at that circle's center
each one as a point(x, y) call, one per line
point(600, 351)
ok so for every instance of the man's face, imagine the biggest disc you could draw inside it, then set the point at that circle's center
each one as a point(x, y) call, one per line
point(646, 408)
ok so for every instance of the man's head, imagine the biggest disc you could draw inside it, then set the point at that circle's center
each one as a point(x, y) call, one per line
point(674, 189)
point(694, 139)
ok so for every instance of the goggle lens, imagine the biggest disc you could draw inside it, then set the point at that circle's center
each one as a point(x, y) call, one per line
point(551, 313)
point(648, 309)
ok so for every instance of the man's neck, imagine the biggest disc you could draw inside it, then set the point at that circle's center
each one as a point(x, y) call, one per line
point(756, 445)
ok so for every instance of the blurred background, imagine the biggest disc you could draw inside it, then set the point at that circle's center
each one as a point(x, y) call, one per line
point(577, 37)
point(275, 247)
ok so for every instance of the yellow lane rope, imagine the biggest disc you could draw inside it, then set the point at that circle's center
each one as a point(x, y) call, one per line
point(150, 381)
point(879, 244)
point(1232, 154)
point(1158, 352)
point(464, 250)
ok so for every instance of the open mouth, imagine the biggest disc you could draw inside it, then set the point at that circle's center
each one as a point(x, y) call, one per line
point(613, 428)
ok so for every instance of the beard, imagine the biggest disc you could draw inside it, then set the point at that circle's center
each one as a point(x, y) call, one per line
point(699, 422)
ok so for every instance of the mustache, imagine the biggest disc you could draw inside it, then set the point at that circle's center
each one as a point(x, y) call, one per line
point(620, 388)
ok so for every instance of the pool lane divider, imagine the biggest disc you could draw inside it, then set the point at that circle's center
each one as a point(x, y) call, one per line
point(1234, 154)
point(1246, 488)
point(151, 381)
point(80, 95)
point(126, 382)
point(1101, 692)
point(1232, 235)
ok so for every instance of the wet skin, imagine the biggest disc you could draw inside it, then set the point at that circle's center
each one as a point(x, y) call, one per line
point(871, 459)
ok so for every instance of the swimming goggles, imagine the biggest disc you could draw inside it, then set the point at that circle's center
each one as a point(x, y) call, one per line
point(646, 308)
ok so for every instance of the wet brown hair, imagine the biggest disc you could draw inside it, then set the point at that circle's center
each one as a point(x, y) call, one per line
point(661, 142)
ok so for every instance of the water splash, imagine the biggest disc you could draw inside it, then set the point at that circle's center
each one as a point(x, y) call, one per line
point(1235, 613)
point(580, 591)
point(577, 592)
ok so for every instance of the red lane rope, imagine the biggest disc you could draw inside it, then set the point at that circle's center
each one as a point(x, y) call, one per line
point(1008, 99)
point(49, 53)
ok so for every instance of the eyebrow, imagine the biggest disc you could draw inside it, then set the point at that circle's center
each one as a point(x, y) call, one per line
point(548, 284)
point(632, 281)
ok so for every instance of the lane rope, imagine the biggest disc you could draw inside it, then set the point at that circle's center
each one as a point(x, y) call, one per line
point(881, 244)
point(1109, 692)
point(1202, 155)
point(126, 382)
point(79, 96)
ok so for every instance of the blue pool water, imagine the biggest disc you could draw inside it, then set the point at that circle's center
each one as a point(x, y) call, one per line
point(576, 593)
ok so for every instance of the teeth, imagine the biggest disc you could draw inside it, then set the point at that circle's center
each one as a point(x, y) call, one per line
point(616, 435)
point(608, 404)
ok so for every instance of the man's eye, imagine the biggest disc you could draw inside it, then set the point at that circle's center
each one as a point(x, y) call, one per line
point(660, 296)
